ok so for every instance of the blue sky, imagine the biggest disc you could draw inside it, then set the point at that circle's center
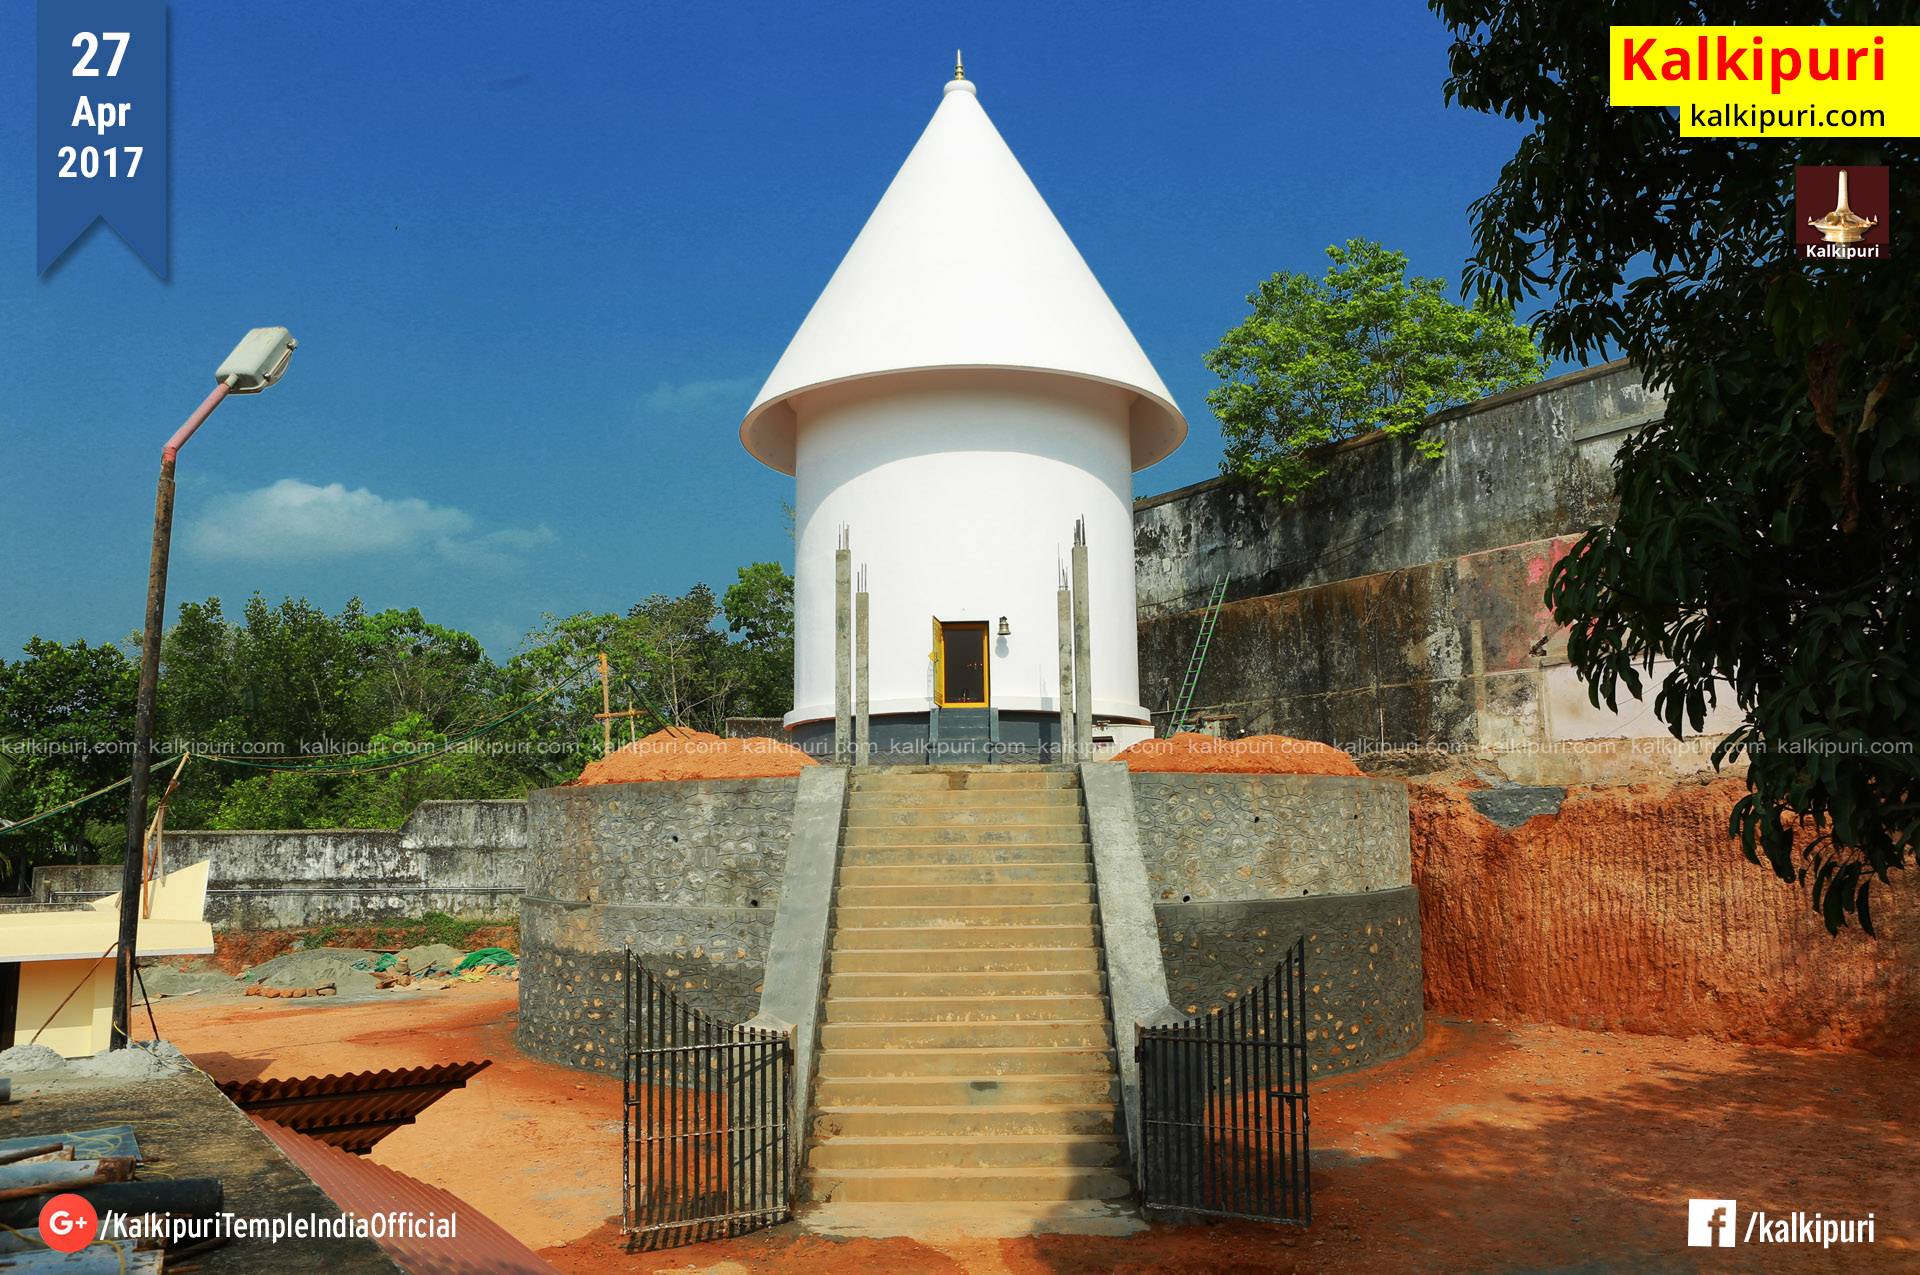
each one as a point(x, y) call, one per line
point(539, 257)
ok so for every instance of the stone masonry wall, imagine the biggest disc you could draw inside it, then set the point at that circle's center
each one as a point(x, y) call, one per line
point(1243, 865)
point(1213, 838)
point(686, 874)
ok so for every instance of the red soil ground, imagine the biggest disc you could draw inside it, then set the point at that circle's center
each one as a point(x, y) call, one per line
point(1492, 1148)
point(1632, 908)
point(678, 753)
point(1255, 754)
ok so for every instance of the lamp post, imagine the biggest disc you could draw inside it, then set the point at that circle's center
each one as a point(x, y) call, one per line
point(257, 362)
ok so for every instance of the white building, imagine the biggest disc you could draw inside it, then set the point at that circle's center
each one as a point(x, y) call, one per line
point(960, 394)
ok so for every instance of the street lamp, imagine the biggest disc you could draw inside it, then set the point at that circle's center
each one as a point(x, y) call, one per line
point(257, 362)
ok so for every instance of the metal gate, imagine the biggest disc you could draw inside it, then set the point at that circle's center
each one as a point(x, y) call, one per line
point(705, 1152)
point(1223, 1105)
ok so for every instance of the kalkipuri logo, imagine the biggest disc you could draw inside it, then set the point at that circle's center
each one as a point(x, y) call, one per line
point(1841, 213)
point(1759, 60)
point(1716, 1224)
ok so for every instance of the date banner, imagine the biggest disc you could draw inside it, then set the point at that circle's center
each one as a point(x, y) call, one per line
point(102, 137)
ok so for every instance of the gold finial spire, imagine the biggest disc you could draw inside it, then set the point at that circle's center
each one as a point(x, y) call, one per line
point(959, 67)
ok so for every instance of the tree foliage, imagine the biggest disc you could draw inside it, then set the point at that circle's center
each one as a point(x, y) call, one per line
point(1361, 348)
point(1765, 543)
point(759, 607)
point(64, 708)
point(292, 684)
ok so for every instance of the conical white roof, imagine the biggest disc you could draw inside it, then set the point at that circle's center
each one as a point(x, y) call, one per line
point(962, 265)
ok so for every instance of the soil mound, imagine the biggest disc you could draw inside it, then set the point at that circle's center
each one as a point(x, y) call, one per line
point(1254, 755)
point(677, 753)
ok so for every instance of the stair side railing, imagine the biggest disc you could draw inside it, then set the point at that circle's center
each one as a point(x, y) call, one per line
point(1225, 1126)
point(707, 1120)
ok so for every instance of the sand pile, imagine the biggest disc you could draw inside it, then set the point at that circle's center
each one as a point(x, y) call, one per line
point(29, 1058)
point(316, 967)
point(678, 753)
point(1254, 755)
point(142, 1060)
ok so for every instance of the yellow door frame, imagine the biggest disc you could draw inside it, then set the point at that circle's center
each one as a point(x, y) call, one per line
point(940, 629)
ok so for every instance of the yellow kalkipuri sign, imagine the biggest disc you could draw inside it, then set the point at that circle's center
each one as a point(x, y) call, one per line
point(1760, 81)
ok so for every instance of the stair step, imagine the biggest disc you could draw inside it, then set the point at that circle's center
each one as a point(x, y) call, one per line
point(946, 798)
point(958, 915)
point(988, 1060)
point(998, 834)
point(911, 856)
point(849, 937)
point(1010, 1120)
point(1030, 893)
point(962, 960)
point(962, 1009)
point(921, 874)
point(993, 1151)
point(966, 817)
point(900, 1185)
point(920, 984)
point(955, 779)
point(1023, 1089)
point(1034, 1034)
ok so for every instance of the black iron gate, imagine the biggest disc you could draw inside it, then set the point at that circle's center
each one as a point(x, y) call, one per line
point(705, 1153)
point(1223, 1105)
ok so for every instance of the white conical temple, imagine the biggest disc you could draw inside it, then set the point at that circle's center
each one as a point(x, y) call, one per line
point(962, 265)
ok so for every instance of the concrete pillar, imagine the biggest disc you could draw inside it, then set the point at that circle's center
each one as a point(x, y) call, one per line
point(842, 652)
point(862, 733)
point(1082, 639)
point(1067, 726)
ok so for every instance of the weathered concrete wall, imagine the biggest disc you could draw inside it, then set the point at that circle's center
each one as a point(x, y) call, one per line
point(1242, 865)
point(1526, 465)
point(465, 858)
point(1630, 908)
point(1399, 603)
point(686, 874)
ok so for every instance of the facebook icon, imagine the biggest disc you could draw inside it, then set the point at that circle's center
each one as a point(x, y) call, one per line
point(1710, 1224)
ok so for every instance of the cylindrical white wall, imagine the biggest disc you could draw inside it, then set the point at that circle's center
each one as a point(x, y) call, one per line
point(960, 489)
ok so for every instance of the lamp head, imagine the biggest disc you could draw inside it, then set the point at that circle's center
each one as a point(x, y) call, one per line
point(258, 361)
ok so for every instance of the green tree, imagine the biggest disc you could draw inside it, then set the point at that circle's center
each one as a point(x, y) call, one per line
point(66, 716)
point(291, 684)
point(1766, 537)
point(759, 608)
point(1363, 347)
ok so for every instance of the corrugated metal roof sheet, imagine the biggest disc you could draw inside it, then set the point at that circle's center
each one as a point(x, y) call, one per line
point(366, 1189)
point(355, 1110)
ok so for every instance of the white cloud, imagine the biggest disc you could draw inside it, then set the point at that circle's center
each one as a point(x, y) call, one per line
point(294, 521)
point(698, 396)
point(496, 549)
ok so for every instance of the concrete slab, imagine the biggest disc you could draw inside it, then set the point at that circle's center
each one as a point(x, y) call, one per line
point(931, 1222)
point(187, 1128)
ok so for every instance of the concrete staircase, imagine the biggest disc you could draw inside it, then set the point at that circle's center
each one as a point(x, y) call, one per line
point(966, 1043)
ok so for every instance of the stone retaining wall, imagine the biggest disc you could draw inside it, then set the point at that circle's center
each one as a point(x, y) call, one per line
point(1243, 865)
point(686, 874)
point(1211, 838)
